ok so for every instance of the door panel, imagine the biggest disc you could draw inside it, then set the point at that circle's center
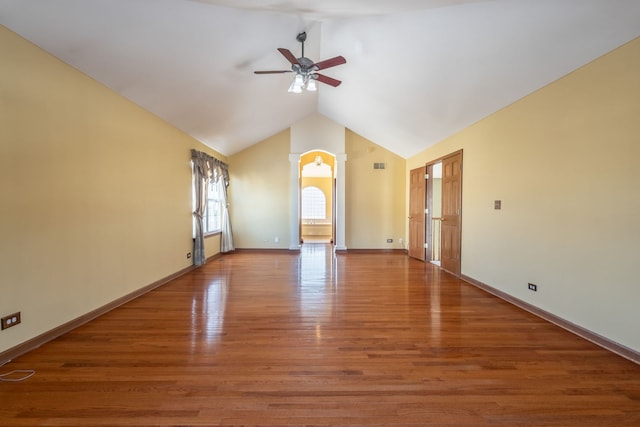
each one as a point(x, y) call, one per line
point(451, 213)
point(416, 213)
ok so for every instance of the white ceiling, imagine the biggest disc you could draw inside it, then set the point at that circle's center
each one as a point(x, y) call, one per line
point(417, 71)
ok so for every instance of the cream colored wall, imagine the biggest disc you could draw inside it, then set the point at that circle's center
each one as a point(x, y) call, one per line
point(259, 194)
point(375, 199)
point(564, 162)
point(317, 132)
point(95, 193)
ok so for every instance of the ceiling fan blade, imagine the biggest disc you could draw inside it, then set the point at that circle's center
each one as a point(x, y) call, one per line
point(290, 56)
point(272, 72)
point(327, 63)
point(327, 80)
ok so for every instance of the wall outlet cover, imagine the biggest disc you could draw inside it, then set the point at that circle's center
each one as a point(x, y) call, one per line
point(10, 320)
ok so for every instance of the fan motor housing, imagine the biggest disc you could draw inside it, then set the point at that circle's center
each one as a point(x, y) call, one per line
point(306, 63)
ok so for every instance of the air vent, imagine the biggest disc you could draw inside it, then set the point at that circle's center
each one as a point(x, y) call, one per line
point(379, 166)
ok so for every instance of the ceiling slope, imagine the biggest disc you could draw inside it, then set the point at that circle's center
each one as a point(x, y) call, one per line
point(417, 70)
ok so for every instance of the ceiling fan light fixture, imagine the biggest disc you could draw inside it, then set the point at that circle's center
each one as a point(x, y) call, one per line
point(298, 84)
point(311, 85)
point(305, 69)
point(294, 89)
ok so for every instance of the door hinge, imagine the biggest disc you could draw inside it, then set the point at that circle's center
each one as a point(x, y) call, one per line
point(426, 176)
point(426, 211)
point(426, 246)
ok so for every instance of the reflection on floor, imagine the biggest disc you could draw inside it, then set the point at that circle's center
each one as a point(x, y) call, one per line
point(317, 278)
point(312, 338)
point(325, 240)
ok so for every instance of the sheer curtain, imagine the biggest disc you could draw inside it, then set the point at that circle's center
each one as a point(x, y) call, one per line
point(208, 170)
point(226, 239)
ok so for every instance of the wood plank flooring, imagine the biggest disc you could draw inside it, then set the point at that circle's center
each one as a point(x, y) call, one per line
point(311, 339)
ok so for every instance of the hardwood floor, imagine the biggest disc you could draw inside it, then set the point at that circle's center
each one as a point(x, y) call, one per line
point(282, 339)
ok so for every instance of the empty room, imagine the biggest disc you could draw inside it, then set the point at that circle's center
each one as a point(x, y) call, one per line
point(351, 212)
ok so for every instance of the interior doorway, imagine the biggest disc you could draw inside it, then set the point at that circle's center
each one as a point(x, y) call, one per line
point(442, 212)
point(425, 210)
point(435, 207)
point(317, 197)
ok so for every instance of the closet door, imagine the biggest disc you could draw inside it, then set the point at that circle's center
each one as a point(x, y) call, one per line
point(451, 213)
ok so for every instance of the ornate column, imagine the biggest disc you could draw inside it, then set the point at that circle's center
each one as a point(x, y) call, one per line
point(294, 208)
point(341, 160)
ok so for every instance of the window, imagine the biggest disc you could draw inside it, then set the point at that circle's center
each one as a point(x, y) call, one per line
point(213, 213)
point(314, 203)
point(212, 219)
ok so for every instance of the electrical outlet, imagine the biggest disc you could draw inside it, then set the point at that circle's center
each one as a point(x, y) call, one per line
point(10, 320)
point(188, 255)
point(533, 287)
point(389, 240)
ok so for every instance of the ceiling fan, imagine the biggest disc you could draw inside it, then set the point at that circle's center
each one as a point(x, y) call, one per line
point(306, 69)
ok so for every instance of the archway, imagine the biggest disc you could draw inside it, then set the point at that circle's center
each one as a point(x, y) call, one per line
point(317, 197)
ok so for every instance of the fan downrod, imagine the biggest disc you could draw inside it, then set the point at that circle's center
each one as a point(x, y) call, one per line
point(301, 37)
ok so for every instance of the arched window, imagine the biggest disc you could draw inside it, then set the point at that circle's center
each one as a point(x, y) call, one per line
point(314, 203)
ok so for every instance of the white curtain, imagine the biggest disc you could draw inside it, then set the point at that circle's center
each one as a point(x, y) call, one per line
point(226, 239)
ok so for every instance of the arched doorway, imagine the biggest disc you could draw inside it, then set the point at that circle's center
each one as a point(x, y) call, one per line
point(317, 197)
point(338, 205)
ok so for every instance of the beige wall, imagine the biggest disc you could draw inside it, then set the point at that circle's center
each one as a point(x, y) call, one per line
point(317, 132)
point(95, 193)
point(259, 194)
point(375, 199)
point(564, 162)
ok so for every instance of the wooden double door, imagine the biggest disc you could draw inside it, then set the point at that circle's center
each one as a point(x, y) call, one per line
point(421, 212)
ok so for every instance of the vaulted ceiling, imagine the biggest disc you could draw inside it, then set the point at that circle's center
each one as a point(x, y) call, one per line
point(417, 71)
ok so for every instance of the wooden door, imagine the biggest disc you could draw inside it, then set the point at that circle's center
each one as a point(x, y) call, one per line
point(451, 213)
point(416, 213)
